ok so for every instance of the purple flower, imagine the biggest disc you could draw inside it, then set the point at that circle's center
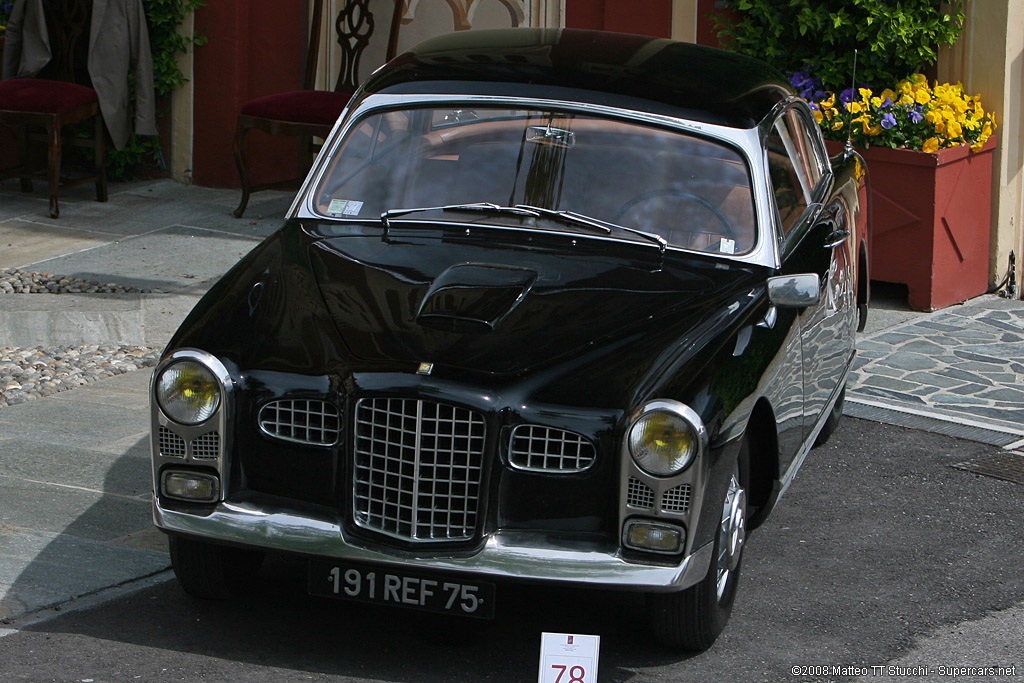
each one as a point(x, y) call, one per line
point(888, 121)
point(800, 79)
point(886, 104)
point(847, 96)
point(916, 115)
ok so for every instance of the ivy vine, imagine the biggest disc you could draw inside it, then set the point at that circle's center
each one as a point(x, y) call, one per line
point(894, 38)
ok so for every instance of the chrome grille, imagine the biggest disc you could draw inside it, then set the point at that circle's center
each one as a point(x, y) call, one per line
point(418, 466)
point(206, 447)
point(171, 445)
point(639, 494)
point(676, 499)
point(304, 421)
point(542, 449)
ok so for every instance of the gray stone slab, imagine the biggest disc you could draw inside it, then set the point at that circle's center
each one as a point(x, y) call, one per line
point(127, 474)
point(39, 569)
point(127, 391)
point(60, 509)
point(169, 259)
point(969, 389)
point(922, 346)
point(956, 400)
point(908, 361)
point(880, 392)
point(70, 319)
point(78, 425)
point(1007, 394)
point(933, 379)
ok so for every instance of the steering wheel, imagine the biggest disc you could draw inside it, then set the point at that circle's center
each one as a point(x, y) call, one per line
point(703, 204)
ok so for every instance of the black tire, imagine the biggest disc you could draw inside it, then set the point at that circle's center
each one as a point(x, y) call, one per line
point(832, 422)
point(693, 619)
point(212, 572)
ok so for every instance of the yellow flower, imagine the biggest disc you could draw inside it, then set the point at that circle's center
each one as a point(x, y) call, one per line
point(907, 99)
point(922, 96)
point(837, 124)
point(920, 79)
point(931, 145)
point(865, 93)
point(954, 130)
point(888, 94)
point(854, 107)
point(818, 116)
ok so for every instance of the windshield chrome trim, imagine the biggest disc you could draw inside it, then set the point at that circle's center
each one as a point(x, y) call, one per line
point(744, 141)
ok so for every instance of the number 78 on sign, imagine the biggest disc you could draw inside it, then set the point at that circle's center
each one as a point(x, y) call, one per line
point(568, 658)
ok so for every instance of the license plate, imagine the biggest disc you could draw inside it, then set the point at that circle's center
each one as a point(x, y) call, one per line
point(432, 593)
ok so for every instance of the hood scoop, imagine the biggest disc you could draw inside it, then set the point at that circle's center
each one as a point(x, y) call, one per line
point(474, 297)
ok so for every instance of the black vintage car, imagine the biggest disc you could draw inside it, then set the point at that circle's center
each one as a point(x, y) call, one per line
point(552, 306)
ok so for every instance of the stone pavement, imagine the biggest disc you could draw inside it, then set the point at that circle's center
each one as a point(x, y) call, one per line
point(962, 365)
point(75, 485)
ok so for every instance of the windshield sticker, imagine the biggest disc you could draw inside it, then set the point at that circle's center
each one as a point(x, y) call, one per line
point(344, 207)
point(727, 246)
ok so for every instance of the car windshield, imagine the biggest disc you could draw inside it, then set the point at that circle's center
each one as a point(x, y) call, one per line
point(691, 192)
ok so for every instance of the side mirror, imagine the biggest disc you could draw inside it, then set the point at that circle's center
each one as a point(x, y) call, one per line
point(794, 291)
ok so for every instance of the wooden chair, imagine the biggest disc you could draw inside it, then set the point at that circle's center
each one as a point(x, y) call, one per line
point(54, 100)
point(310, 113)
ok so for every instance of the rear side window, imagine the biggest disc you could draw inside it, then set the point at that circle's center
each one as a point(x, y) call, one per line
point(794, 168)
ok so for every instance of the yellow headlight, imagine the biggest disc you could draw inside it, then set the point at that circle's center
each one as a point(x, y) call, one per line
point(662, 443)
point(188, 392)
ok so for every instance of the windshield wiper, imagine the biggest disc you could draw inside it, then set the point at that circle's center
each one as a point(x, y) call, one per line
point(484, 207)
point(590, 221)
point(531, 211)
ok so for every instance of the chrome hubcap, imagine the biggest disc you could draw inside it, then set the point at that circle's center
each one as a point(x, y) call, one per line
point(731, 533)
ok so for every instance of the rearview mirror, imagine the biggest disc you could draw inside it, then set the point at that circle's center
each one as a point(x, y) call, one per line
point(794, 291)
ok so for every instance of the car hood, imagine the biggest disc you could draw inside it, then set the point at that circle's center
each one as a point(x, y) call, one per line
point(480, 306)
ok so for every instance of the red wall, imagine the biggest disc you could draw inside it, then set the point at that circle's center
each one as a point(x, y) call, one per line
point(649, 17)
point(254, 49)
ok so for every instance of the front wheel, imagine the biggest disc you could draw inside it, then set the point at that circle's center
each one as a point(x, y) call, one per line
point(693, 619)
point(212, 572)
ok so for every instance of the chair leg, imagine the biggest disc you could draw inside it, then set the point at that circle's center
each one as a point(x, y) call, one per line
point(23, 159)
point(243, 168)
point(53, 168)
point(101, 159)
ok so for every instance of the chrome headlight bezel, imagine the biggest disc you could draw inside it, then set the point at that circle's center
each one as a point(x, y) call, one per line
point(675, 415)
point(204, 368)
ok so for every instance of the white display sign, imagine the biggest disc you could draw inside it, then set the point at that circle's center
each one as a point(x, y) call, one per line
point(568, 658)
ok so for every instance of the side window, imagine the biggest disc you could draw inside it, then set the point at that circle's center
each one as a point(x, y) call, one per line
point(793, 166)
point(804, 146)
point(789, 188)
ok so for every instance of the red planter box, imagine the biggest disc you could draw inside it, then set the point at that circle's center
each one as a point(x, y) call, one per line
point(931, 221)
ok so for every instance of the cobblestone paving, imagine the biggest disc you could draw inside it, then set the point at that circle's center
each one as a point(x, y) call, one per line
point(965, 360)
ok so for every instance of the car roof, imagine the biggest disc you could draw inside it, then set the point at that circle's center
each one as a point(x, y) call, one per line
point(614, 69)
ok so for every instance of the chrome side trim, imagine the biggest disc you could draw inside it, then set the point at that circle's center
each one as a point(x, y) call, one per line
point(505, 555)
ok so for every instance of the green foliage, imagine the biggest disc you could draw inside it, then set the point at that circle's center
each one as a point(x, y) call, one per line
point(164, 17)
point(895, 38)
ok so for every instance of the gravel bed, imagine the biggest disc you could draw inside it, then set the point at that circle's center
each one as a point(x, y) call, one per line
point(28, 373)
point(31, 373)
point(17, 281)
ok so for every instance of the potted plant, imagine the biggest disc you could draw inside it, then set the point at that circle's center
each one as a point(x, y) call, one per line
point(929, 154)
point(928, 148)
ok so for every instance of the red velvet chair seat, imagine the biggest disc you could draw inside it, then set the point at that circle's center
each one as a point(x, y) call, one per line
point(43, 96)
point(316, 107)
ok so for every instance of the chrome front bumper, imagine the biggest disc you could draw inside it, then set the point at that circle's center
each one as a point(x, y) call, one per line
point(514, 555)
